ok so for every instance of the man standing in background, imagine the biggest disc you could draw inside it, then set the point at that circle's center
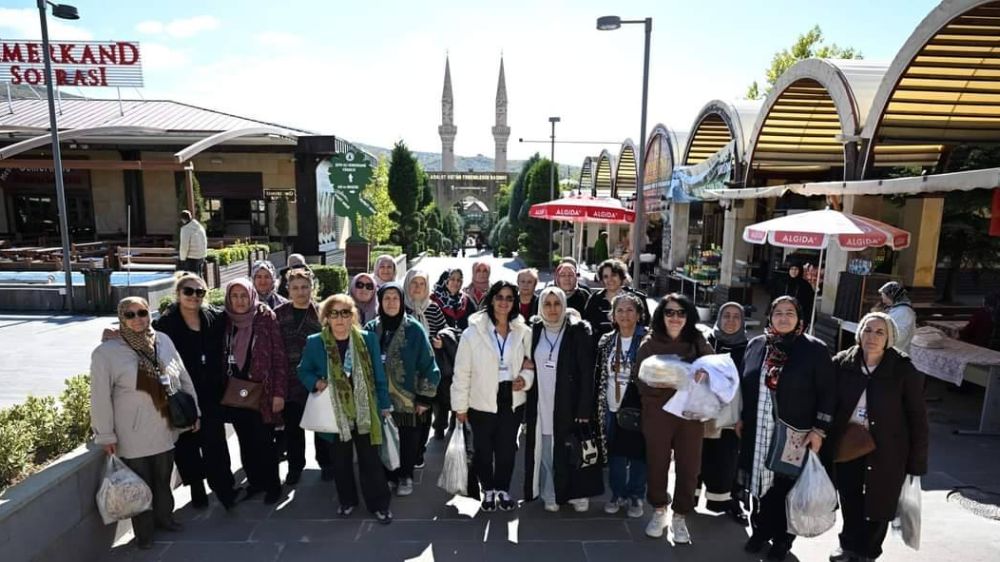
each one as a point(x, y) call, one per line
point(194, 245)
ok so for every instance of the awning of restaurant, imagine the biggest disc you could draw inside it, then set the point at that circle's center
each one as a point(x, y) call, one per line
point(604, 172)
point(587, 175)
point(718, 123)
point(626, 176)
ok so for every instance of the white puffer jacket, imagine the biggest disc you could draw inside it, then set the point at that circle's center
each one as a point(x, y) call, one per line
point(477, 364)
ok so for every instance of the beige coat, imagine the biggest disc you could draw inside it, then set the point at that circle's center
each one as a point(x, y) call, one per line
point(194, 241)
point(477, 364)
point(122, 415)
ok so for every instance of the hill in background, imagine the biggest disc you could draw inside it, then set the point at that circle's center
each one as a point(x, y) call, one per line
point(431, 162)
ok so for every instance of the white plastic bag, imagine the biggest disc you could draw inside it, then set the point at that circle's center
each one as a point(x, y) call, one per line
point(318, 413)
point(812, 502)
point(695, 401)
point(664, 371)
point(122, 493)
point(455, 472)
point(388, 451)
point(907, 522)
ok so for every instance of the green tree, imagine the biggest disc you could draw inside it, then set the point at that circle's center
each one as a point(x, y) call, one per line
point(378, 227)
point(808, 45)
point(404, 184)
point(501, 200)
point(517, 193)
point(534, 242)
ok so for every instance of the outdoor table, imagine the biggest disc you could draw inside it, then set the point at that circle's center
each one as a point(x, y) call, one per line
point(695, 284)
point(953, 362)
point(951, 328)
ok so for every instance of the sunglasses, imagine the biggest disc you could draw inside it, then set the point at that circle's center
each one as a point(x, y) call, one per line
point(343, 313)
point(191, 291)
point(674, 313)
point(503, 298)
point(141, 313)
point(363, 285)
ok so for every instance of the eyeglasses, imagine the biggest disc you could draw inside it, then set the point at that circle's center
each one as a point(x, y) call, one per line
point(363, 285)
point(189, 291)
point(343, 313)
point(141, 313)
point(503, 298)
point(674, 313)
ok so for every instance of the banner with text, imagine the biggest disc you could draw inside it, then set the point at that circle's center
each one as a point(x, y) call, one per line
point(78, 63)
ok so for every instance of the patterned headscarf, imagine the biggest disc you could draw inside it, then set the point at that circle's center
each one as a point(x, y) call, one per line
point(144, 344)
point(776, 353)
point(417, 307)
point(242, 321)
point(895, 291)
point(367, 310)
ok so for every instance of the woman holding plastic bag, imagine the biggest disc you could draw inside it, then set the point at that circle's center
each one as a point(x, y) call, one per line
point(347, 359)
point(131, 378)
point(673, 331)
point(878, 438)
point(788, 391)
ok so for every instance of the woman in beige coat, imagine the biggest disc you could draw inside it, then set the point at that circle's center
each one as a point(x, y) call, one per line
point(129, 412)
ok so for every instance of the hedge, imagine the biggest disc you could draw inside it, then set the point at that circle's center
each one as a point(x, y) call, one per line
point(332, 279)
point(38, 430)
point(215, 298)
point(234, 253)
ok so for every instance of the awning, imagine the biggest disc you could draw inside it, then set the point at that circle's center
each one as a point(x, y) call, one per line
point(694, 183)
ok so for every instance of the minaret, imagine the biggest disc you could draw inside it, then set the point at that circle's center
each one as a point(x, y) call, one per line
point(447, 130)
point(501, 131)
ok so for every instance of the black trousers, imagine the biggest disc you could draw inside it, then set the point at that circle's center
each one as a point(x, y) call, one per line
point(257, 452)
point(859, 535)
point(412, 441)
point(374, 487)
point(155, 471)
point(769, 520)
point(295, 440)
point(205, 455)
point(495, 441)
point(719, 463)
point(196, 266)
point(442, 406)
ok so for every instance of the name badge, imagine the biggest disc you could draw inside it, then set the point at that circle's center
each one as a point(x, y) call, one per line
point(550, 364)
point(504, 372)
point(383, 358)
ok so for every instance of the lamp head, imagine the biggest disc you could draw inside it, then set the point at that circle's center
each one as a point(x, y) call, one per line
point(554, 119)
point(65, 12)
point(609, 23)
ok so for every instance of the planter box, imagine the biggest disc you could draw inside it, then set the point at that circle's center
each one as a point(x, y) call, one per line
point(218, 276)
point(279, 259)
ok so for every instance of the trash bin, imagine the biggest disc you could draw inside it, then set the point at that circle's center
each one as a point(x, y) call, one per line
point(97, 287)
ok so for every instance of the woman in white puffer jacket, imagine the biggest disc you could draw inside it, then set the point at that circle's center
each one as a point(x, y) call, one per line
point(493, 371)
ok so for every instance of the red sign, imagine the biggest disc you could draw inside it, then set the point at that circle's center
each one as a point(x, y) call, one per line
point(86, 63)
point(798, 239)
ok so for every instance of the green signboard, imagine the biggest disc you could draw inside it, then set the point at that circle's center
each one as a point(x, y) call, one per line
point(350, 172)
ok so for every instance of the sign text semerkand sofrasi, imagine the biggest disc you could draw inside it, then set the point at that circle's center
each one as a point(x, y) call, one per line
point(80, 63)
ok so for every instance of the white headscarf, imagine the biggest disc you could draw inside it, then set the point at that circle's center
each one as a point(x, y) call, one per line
point(552, 290)
point(417, 307)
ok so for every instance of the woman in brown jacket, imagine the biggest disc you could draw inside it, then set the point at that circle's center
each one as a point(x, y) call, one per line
point(673, 331)
point(880, 403)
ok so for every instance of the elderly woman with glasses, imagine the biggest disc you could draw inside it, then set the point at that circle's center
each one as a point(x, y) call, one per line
point(130, 379)
point(197, 329)
point(348, 361)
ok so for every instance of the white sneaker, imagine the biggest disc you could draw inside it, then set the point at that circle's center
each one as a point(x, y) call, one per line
point(551, 507)
point(612, 506)
point(681, 534)
point(634, 508)
point(657, 523)
point(580, 505)
point(405, 487)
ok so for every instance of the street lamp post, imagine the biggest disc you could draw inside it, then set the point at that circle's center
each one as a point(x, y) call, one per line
point(609, 23)
point(62, 11)
point(552, 181)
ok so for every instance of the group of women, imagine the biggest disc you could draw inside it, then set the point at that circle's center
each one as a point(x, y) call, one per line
point(490, 357)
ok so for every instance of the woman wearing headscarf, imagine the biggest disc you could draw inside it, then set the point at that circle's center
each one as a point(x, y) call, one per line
point(196, 331)
point(720, 450)
point(385, 269)
point(362, 291)
point(801, 290)
point(129, 411)
point(787, 376)
point(299, 319)
point(559, 403)
point(896, 303)
point(492, 374)
point(348, 360)
point(417, 286)
point(454, 303)
point(624, 447)
point(408, 362)
point(255, 352)
point(265, 281)
point(878, 437)
point(615, 278)
point(673, 331)
point(477, 288)
point(568, 280)
point(295, 261)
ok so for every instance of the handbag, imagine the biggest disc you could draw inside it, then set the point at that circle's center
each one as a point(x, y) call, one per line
point(241, 393)
point(183, 410)
point(788, 450)
point(855, 443)
point(318, 413)
point(629, 417)
point(582, 445)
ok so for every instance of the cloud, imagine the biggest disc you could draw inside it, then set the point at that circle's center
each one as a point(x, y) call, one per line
point(23, 23)
point(180, 28)
point(278, 39)
point(156, 56)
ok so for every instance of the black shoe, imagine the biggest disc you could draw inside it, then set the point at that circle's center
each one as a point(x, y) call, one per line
point(144, 544)
point(228, 501)
point(778, 551)
point(272, 496)
point(755, 544)
point(293, 477)
point(420, 461)
point(170, 526)
point(438, 435)
point(841, 555)
point(199, 499)
point(384, 517)
point(489, 502)
point(735, 512)
point(326, 473)
point(249, 493)
point(505, 502)
point(345, 511)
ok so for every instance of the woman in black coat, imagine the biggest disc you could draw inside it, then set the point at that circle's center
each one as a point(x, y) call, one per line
point(879, 396)
point(559, 404)
point(614, 276)
point(786, 375)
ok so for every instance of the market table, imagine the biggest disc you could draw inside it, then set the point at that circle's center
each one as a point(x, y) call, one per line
point(950, 328)
point(956, 361)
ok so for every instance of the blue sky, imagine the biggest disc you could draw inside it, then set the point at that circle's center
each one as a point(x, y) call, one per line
point(372, 71)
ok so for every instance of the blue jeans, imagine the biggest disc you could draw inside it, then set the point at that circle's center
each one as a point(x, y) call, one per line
point(626, 477)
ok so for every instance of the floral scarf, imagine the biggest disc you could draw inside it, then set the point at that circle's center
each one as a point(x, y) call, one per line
point(354, 402)
point(774, 356)
point(144, 344)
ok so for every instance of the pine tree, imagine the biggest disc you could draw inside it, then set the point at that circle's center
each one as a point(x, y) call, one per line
point(535, 232)
point(404, 191)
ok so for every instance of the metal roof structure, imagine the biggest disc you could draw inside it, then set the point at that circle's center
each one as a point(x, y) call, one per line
point(718, 123)
point(587, 175)
point(604, 172)
point(626, 175)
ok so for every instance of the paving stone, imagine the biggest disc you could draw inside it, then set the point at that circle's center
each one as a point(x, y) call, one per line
point(289, 531)
point(219, 551)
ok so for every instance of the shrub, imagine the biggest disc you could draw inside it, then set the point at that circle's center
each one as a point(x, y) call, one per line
point(75, 413)
point(215, 298)
point(275, 246)
point(15, 450)
point(391, 249)
point(332, 279)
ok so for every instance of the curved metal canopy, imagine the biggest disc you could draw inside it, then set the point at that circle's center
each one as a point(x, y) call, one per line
point(626, 176)
point(604, 173)
point(72, 134)
point(223, 136)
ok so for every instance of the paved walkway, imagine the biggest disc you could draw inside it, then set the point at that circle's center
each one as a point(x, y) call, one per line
point(432, 526)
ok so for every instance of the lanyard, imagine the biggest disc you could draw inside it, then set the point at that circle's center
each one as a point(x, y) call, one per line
point(552, 345)
point(501, 345)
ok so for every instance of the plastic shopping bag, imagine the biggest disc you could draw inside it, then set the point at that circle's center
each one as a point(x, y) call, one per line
point(122, 494)
point(695, 401)
point(907, 522)
point(388, 451)
point(454, 477)
point(318, 414)
point(812, 502)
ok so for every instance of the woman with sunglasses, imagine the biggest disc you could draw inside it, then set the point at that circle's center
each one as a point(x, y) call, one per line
point(299, 319)
point(347, 359)
point(196, 330)
point(615, 278)
point(454, 303)
point(787, 376)
point(362, 291)
point(255, 352)
point(673, 331)
point(493, 371)
point(129, 376)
